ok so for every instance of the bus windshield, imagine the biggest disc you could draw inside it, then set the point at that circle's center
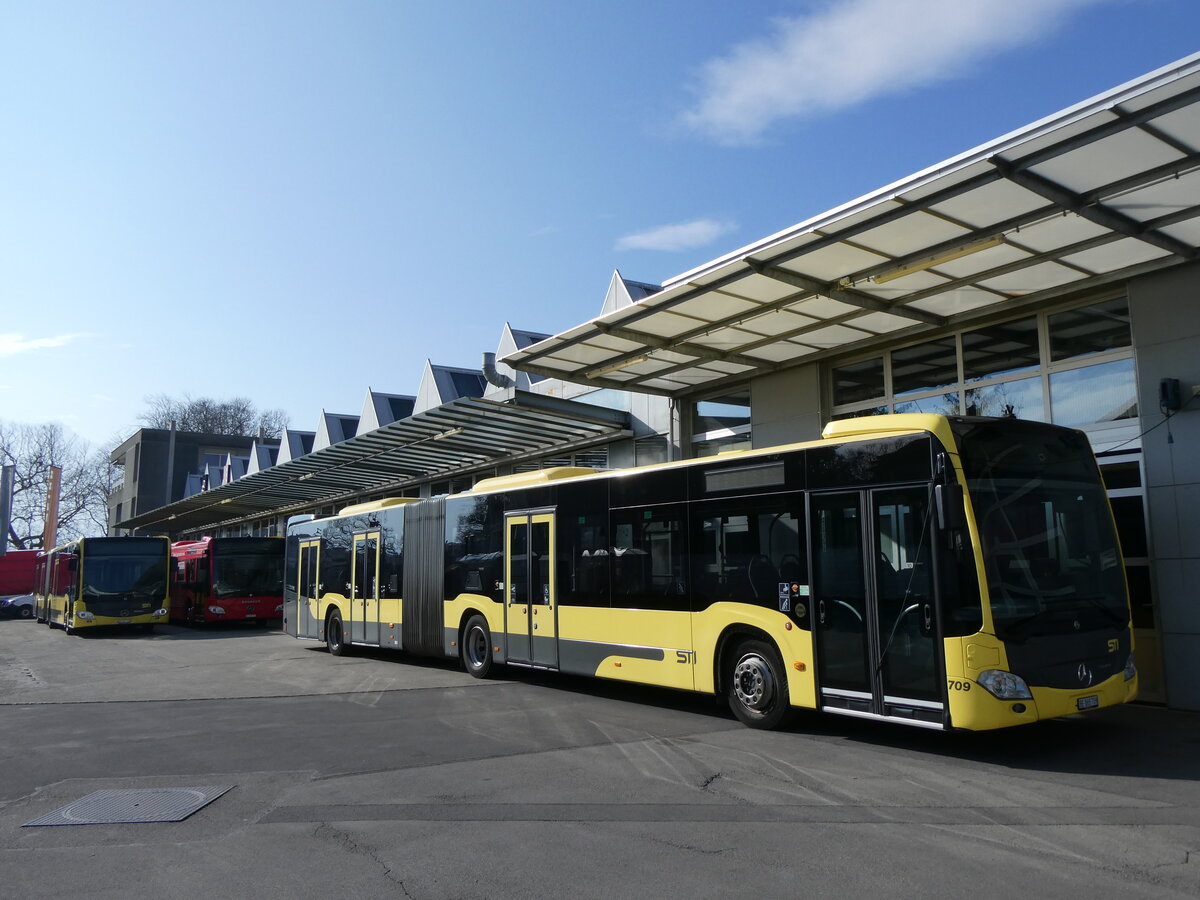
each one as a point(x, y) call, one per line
point(1049, 546)
point(127, 569)
point(236, 574)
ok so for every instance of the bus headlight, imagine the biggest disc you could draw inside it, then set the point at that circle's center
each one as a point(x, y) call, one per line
point(159, 612)
point(1130, 668)
point(217, 610)
point(1004, 685)
point(85, 615)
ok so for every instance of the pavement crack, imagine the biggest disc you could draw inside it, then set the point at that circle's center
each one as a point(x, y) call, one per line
point(692, 848)
point(326, 832)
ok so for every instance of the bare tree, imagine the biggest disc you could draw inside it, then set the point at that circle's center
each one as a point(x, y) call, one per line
point(87, 480)
point(237, 416)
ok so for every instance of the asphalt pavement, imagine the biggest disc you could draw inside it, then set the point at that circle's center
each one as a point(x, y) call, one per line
point(376, 775)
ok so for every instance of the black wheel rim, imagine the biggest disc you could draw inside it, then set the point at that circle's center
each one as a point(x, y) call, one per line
point(476, 648)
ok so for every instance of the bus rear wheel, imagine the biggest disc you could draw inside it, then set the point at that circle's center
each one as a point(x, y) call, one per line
point(476, 647)
point(335, 635)
point(756, 685)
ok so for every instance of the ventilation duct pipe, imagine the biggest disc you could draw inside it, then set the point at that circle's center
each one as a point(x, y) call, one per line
point(499, 379)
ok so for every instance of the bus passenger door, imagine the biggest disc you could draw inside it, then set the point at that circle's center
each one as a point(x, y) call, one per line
point(875, 616)
point(841, 622)
point(530, 605)
point(909, 660)
point(305, 618)
point(364, 604)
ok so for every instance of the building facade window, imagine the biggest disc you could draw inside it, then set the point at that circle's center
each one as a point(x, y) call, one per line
point(722, 423)
point(1072, 367)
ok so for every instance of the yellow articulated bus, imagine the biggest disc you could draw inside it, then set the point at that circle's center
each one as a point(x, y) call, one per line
point(103, 581)
point(946, 573)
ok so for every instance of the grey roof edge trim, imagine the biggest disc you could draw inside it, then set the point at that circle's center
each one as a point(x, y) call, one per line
point(601, 414)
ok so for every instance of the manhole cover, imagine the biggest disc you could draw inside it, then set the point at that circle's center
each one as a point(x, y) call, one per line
point(132, 806)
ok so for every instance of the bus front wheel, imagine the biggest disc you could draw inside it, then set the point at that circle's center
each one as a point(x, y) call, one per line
point(756, 685)
point(335, 636)
point(476, 649)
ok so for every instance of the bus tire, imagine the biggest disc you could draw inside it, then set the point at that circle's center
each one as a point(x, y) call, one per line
point(335, 635)
point(756, 685)
point(475, 648)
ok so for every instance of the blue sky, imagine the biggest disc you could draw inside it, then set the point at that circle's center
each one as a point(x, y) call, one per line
point(292, 200)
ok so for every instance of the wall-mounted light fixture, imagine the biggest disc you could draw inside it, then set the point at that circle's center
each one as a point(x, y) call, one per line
point(1170, 397)
point(616, 366)
point(449, 433)
point(933, 261)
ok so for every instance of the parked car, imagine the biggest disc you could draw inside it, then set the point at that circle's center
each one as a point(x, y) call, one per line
point(18, 607)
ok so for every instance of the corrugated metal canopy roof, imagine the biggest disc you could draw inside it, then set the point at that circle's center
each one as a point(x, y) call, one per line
point(461, 436)
point(1094, 194)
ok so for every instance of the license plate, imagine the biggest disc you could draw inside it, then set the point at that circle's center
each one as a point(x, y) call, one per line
point(1087, 702)
point(124, 621)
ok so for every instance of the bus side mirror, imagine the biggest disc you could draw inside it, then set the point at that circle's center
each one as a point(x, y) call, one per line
point(951, 507)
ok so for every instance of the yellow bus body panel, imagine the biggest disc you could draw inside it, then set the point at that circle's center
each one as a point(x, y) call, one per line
point(973, 708)
point(143, 619)
point(456, 612)
point(665, 632)
point(330, 602)
point(795, 646)
point(391, 610)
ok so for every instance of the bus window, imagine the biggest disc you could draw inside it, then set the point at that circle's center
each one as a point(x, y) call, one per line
point(649, 558)
point(752, 551)
point(584, 556)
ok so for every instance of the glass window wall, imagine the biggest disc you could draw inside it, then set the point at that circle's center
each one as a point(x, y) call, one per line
point(1073, 367)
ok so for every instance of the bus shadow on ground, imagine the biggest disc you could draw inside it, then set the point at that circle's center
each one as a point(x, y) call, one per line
point(1136, 740)
point(214, 631)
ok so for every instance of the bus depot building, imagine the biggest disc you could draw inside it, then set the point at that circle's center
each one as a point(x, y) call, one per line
point(1051, 275)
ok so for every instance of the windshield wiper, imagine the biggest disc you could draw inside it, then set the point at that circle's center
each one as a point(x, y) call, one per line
point(1115, 617)
point(1017, 624)
point(1058, 613)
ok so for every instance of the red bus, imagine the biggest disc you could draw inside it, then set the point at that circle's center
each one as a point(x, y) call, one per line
point(229, 579)
point(16, 583)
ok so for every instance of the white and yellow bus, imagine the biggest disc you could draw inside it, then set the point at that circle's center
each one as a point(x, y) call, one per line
point(103, 581)
point(946, 573)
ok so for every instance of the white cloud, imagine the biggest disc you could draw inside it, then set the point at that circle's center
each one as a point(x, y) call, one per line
point(850, 52)
point(684, 236)
point(12, 344)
